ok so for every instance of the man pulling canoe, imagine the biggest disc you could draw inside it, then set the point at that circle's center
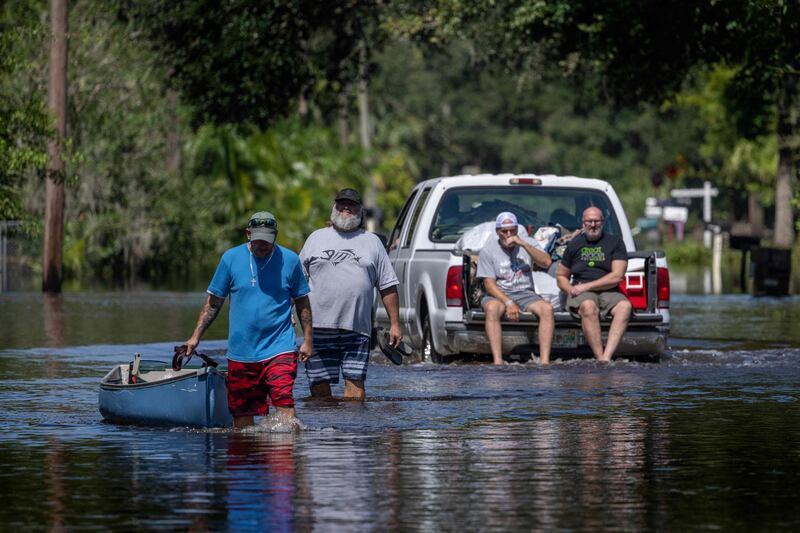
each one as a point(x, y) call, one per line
point(263, 280)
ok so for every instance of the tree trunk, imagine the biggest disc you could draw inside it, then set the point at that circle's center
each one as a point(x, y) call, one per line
point(366, 133)
point(788, 103)
point(755, 214)
point(173, 134)
point(344, 115)
point(363, 101)
point(52, 254)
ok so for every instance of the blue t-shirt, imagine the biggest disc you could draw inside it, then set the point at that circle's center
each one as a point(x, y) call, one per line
point(261, 293)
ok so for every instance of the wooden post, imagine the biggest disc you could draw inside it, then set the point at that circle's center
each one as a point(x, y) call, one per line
point(343, 116)
point(366, 132)
point(52, 254)
point(787, 170)
point(173, 133)
point(363, 99)
point(716, 261)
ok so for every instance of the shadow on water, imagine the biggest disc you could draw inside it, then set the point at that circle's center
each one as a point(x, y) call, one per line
point(705, 439)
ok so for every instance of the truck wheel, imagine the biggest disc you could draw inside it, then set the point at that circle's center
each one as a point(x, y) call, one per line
point(429, 352)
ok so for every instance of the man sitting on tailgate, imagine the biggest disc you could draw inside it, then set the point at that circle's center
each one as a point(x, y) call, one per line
point(506, 266)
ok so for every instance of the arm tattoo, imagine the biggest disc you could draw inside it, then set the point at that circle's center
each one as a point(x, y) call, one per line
point(304, 312)
point(210, 312)
point(305, 316)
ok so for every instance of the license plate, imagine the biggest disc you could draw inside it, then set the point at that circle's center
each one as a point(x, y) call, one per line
point(567, 338)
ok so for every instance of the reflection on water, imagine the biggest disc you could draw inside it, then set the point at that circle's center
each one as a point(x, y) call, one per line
point(735, 320)
point(707, 439)
point(53, 319)
point(262, 482)
point(701, 279)
point(33, 319)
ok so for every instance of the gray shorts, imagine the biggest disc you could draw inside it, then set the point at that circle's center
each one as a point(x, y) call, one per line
point(522, 298)
point(605, 301)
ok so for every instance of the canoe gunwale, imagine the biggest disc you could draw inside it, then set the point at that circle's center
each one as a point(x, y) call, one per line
point(104, 384)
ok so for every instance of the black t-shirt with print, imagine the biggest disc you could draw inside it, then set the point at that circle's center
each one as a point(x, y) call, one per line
point(591, 260)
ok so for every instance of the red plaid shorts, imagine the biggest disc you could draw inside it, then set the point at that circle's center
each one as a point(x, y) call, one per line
point(251, 385)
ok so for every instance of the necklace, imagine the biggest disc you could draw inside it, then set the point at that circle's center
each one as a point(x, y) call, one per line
point(261, 268)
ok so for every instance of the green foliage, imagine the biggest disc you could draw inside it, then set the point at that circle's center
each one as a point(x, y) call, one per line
point(245, 61)
point(455, 114)
point(119, 213)
point(687, 253)
point(24, 122)
point(739, 166)
point(649, 51)
point(233, 61)
point(293, 171)
point(466, 86)
point(728, 158)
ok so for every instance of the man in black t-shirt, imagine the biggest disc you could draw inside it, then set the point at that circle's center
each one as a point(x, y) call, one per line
point(596, 262)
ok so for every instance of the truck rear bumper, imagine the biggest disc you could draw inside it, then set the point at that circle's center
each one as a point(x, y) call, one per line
point(643, 338)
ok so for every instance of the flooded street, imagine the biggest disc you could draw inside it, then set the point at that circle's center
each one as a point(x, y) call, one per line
point(707, 439)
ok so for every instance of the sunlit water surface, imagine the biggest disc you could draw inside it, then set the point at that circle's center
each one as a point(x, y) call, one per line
point(707, 439)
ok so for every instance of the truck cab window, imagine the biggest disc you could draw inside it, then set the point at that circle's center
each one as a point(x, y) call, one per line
point(394, 238)
point(462, 208)
point(415, 218)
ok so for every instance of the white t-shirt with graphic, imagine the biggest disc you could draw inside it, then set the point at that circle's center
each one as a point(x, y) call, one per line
point(513, 271)
point(343, 269)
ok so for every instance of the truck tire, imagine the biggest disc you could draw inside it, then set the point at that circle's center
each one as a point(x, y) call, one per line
point(429, 352)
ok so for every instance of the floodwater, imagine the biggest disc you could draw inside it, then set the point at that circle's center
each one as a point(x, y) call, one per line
point(707, 439)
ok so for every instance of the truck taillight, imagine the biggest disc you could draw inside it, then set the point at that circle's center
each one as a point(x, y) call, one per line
point(662, 283)
point(454, 289)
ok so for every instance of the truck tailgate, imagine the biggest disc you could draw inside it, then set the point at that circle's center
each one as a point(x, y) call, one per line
point(563, 318)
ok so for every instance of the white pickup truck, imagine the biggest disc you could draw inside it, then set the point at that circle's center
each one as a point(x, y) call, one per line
point(435, 308)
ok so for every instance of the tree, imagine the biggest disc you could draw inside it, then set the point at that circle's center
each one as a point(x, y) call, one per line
point(453, 112)
point(52, 271)
point(24, 121)
point(743, 167)
point(291, 170)
point(247, 61)
point(126, 198)
point(132, 198)
point(650, 50)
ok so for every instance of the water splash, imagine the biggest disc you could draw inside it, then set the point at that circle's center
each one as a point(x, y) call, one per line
point(276, 422)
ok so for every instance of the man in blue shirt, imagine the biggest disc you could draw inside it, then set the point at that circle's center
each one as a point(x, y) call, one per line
point(262, 279)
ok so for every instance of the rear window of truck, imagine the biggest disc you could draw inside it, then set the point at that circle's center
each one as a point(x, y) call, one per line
point(465, 207)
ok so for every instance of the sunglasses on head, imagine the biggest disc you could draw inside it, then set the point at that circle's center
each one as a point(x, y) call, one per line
point(262, 223)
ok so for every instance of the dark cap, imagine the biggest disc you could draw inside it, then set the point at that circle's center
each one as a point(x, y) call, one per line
point(349, 194)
